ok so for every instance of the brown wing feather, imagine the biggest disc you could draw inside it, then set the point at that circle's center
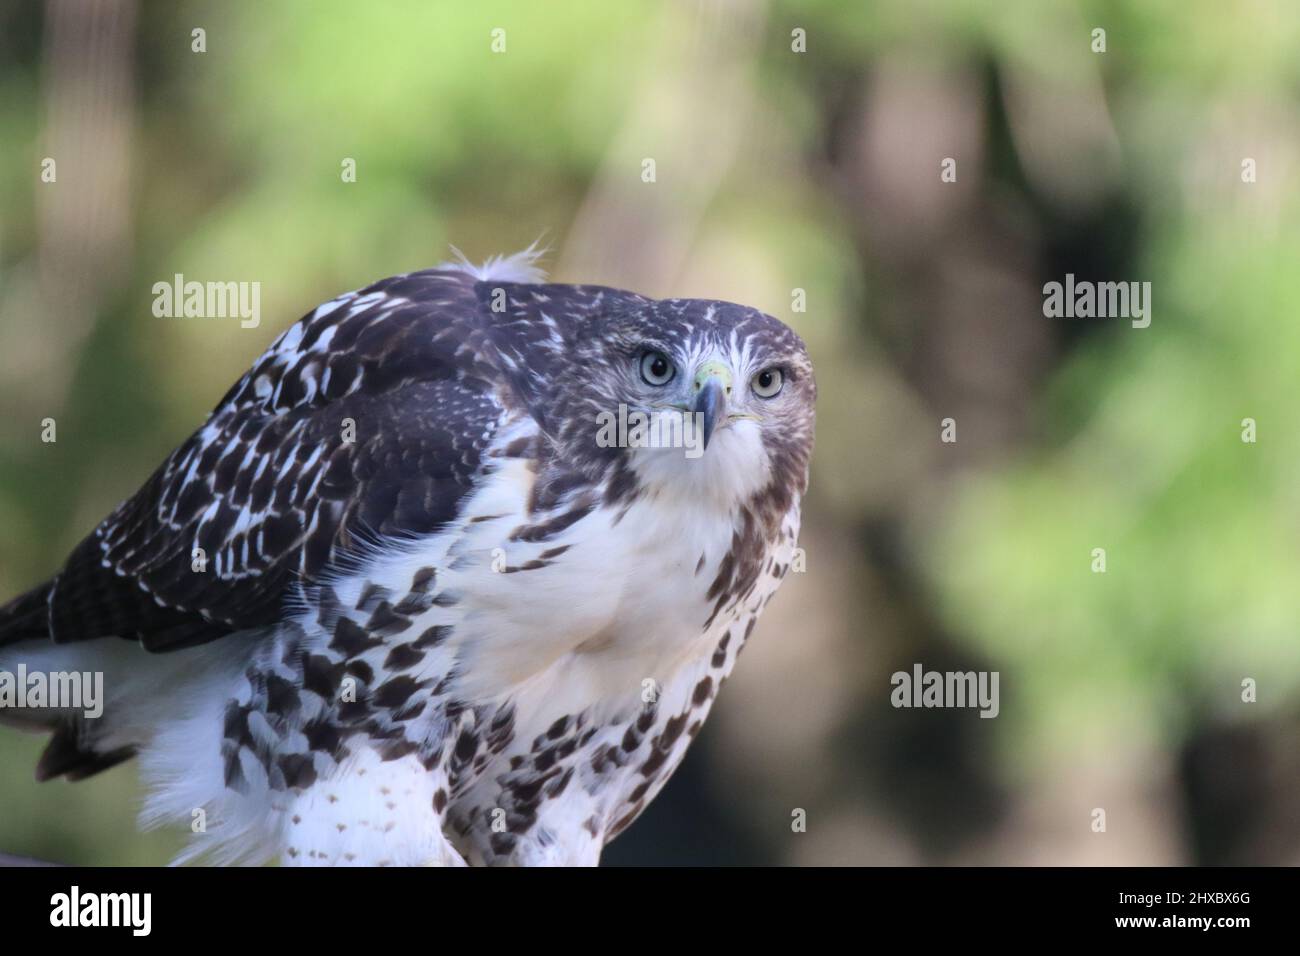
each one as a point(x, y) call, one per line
point(272, 490)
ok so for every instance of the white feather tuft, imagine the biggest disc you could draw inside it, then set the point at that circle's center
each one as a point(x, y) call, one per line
point(520, 267)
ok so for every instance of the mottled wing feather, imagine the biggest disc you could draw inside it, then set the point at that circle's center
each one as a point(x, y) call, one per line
point(270, 488)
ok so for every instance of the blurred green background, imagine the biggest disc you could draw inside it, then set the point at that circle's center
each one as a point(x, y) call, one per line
point(776, 171)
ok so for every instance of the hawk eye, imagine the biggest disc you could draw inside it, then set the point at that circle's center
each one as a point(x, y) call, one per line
point(767, 383)
point(656, 368)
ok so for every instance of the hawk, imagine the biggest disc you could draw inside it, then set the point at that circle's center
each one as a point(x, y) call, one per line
point(395, 602)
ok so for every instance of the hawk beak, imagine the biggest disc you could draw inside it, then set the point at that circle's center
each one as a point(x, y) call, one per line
point(712, 387)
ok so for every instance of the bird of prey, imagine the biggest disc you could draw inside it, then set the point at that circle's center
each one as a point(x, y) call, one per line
point(397, 602)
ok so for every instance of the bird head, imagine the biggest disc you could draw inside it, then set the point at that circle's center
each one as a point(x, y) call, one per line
point(691, 398)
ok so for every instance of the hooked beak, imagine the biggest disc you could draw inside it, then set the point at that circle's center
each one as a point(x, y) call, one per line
point(712, 386)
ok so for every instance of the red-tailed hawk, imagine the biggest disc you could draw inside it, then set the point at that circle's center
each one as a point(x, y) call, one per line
point(429, 586)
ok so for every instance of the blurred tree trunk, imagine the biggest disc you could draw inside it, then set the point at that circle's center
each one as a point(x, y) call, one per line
point(83, 215)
